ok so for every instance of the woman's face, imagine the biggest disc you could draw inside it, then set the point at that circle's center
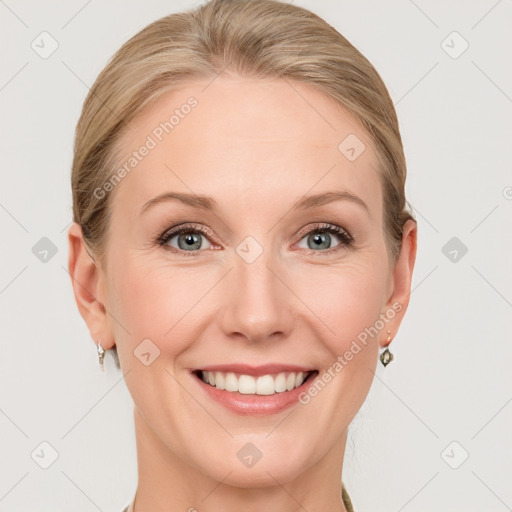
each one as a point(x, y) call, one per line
point(262, 284)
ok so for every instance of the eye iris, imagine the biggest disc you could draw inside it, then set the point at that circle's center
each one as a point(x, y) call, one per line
point(190, 240)
point(318, 240)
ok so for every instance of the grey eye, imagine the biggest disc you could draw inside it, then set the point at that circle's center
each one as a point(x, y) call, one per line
point(188, 241)
point(319, 239)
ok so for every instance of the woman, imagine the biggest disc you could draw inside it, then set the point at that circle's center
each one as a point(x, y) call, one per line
point(241, 241)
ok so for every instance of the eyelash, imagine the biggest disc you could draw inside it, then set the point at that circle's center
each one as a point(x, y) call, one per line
point(347, 241)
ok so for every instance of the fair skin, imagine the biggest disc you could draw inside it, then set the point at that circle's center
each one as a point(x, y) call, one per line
point(256, 147)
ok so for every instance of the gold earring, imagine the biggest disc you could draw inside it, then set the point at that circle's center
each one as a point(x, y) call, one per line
point(386, 356)
point(101, 354)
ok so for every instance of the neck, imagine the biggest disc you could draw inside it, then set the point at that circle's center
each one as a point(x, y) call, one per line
point(167, 482)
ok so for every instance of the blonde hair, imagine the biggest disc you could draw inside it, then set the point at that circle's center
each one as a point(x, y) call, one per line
point(255, 38)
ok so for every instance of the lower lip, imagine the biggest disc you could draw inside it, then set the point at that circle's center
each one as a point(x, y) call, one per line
point(255, 405)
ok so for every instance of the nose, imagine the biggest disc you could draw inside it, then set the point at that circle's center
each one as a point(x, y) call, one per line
point(256, 302)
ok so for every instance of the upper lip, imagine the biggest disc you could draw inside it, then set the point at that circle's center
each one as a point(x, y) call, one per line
point(255, 371)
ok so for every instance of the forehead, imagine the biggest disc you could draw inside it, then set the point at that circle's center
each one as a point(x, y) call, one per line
point(259, 138)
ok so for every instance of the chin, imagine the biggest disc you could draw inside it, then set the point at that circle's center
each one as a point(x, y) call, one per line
point(248, 467)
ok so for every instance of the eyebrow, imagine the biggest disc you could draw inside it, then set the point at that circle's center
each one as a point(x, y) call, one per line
point(194, 200)
point(317, 200)
point(209, 204)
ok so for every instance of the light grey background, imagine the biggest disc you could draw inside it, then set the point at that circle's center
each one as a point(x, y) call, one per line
point(451, 379)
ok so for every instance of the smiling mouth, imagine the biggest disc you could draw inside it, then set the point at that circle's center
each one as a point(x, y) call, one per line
point(268, 384)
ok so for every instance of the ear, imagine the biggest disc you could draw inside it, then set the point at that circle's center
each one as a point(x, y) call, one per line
point(87, 280)
point(400, 284)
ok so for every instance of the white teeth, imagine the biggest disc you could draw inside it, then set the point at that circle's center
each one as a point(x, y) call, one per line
point(246, 385)
point(265, 385)
point(231, 382)
point(220, 381)
point(249, 385)
point(290, 382)
point(280, 383)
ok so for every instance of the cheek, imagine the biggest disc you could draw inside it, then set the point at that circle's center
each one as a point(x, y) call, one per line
point(151, 331)
point(345, 298)
point(151, 300)
point(133, 300)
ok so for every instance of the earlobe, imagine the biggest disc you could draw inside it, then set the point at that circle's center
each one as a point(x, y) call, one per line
point(86, 279)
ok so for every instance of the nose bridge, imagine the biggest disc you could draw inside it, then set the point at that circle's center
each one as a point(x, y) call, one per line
point(257, 302)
